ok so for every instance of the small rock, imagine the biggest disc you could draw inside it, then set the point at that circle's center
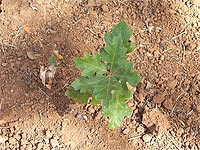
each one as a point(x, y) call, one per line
point(105, 8)
point(29, 147)
point(80, 116)
point(91, 3)
point(24, 135)
point(140, 129)
point(180, 131)
point(191, 46)
point(168, 104)
point(31, 55)
point(156, 53)
point(48, 134)
point(24, 142)
point(40, 145)
point(126, 131)
point(54, 143)
point(12, 141)
point(4, 64)
point(172, 84)
point(158, 98)
point(198, 77)
point(91, 109)
point(17, 137)
point(147, 138)
point(19, 54)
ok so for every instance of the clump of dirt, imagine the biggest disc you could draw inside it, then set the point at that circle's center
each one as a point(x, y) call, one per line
point(165, 106)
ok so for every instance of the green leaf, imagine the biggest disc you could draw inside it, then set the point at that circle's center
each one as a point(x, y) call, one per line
point(119, 29)
point(91, 66)
point(125, 75)
point(52, 60)
point(114, 53)
point(117, 108)
point(81, 97)
point(101, 86)
point(130, 47)
point(95, 101)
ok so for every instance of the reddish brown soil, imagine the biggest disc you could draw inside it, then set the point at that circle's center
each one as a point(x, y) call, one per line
point(166, 104)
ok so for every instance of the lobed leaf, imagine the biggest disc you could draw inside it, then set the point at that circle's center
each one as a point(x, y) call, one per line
point(114, 53)
point(81, 97)
point(90, 65)
point(117, 108)
point(101, 86)
point(125, 75)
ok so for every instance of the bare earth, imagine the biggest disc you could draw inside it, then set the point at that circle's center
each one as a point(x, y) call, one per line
point(166, 104)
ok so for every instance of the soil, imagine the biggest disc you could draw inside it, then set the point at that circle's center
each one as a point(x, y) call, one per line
point(166, 104)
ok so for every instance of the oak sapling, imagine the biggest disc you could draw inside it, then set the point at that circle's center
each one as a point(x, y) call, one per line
point(105, 75)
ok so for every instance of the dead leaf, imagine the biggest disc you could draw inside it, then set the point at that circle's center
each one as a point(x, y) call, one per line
point(47, 75)
point(27, 28)
point(58, 56)
point(42, 74)
point(31, 55)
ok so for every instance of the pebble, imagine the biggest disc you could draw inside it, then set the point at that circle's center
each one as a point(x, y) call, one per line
point(31, 55)
point(198, 77)
point(168, 104)
point(91, 3)
point(19, 54)
point(147, 138)
point(105, 8)
point(158, 98)
point(48, 134)
point(4, 64)
point(40, 145)
point(140, 129)
point(12, 140)
point(180, 131)
point(172, 84)
point(126, 131)
point(54, 143)
point(91, 109)
point(18, 137)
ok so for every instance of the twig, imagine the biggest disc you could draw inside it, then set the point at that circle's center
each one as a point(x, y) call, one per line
point(92, 31)
point(135, 137)
point(8, 45)
point(173, 142)
point(175, 103)
point(177, 35)
point(140, 59)
point(17, 34)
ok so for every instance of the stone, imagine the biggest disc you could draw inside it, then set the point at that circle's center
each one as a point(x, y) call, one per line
point(4, 64)
point(17, 137)
point(91, 3)
point(126, 131)
point(54, 143)
point(40, 146)
point(140, 129)
point(12, 140)
point(158, 98)
point(147, 138)
point(19, 54)
point(172, 84)
point(180, 131)
point(105, 8)
point(91, 109)
point(168, 104)
point(48, 134)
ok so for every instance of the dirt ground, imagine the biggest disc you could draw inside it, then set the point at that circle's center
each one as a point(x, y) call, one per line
point(166, 104)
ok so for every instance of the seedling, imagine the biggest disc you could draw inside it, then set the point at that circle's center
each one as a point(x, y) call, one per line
point(105, 76)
